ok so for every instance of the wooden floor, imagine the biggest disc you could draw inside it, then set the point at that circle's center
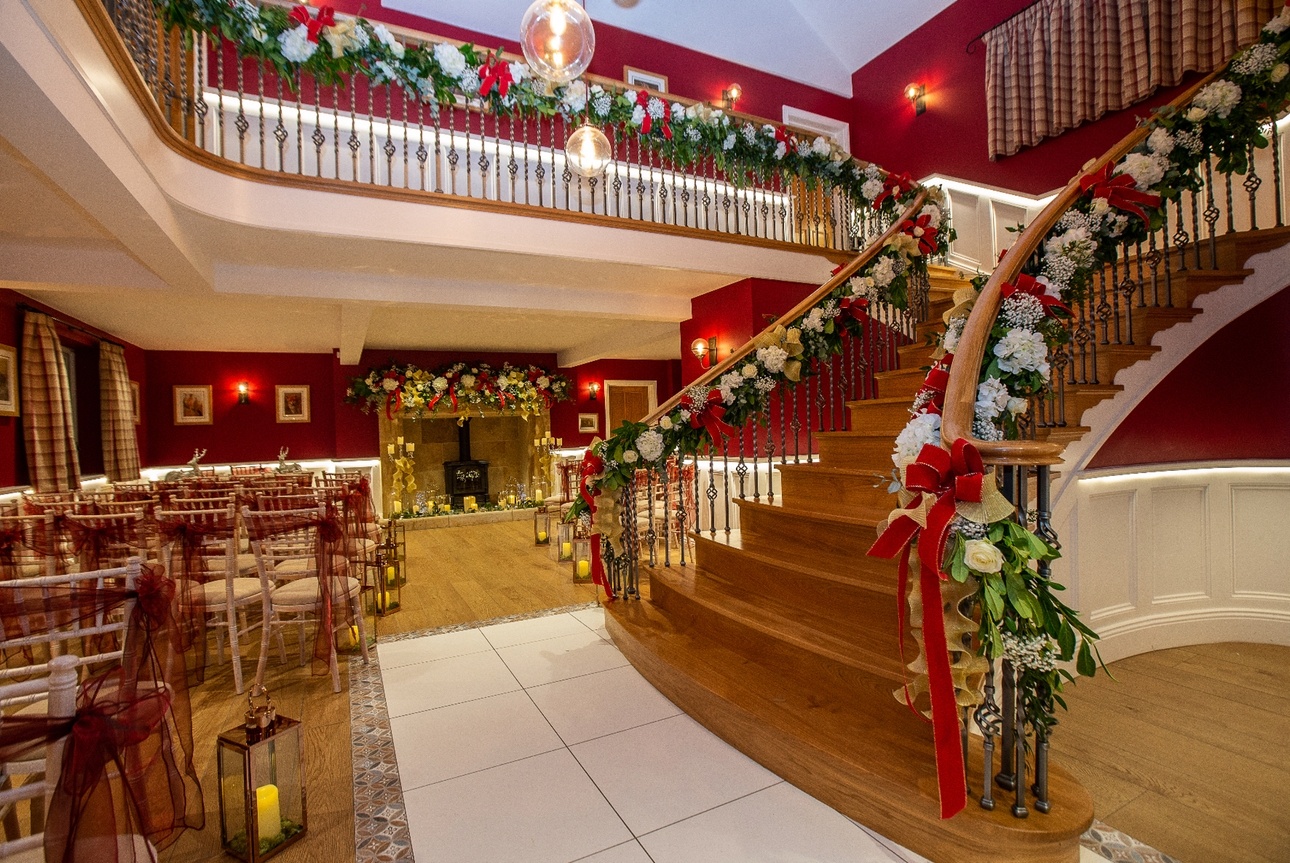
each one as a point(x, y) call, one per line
point(1186, 750)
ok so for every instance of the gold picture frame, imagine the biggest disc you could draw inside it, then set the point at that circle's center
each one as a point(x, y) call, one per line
point(588, 423)
point(136, 409)
point(8, 381)
point(193, 405)
point(292, 403)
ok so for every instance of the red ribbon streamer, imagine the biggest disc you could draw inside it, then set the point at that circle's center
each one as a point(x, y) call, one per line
point(708, 414)
point(1030, 285)
point(326, 18)
point(593, 465)
point(495, 72)
point(950, 477)
point(1120, 191)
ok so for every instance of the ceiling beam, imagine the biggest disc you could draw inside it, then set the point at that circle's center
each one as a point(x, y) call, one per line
point(354, 320)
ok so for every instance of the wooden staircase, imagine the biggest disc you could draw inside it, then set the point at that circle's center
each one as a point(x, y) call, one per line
point(781, 638)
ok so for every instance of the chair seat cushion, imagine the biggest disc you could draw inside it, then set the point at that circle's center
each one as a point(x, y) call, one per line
point(304, 592)
point(212, 592)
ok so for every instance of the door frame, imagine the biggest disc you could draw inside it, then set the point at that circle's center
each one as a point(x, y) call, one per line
point(652, 391)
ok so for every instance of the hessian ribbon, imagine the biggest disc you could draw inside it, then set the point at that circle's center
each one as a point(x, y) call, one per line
point(497, 72)
point(1030, 285)
point(1120, 191)
point(790, 341)
point(326, 18)
point(940, 481)
point(593, 466)
point(708, 413)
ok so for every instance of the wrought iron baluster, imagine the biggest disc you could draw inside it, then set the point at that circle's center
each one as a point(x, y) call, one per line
point(1231, 210)
point(1277, 191)
point(1212, 214)
point(335, 128)
point(1251, 183)
point(318, 138)
point(241, 123)
point(989, 720)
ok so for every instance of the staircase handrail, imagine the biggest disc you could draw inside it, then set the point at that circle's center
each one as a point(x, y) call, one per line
point(818, 296)
point(964, 374)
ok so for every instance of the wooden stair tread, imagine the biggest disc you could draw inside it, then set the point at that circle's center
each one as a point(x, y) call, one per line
point(857, 580)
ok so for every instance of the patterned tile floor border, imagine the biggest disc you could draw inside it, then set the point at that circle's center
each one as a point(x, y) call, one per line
point(380, 820)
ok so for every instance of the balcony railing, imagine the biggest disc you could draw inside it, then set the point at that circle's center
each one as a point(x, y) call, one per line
point(357, 135)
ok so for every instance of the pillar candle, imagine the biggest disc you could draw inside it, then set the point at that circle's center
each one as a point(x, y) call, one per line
point(584, 568)
point(411, 448)
point(400, 441)
point(538, 495)
point(391, 575)
point(267, 811)
point(566, 549)
point(445, 507)
point(390, 449)
point(468, 504)
point(510, 500)
point(541, 536)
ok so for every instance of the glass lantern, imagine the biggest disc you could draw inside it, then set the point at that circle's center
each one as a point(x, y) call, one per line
point(581, 560)
point(564, 546)
point(558, 39)
point(261, 782)
point(541, 526)
point(389, 578)
point(537, 491)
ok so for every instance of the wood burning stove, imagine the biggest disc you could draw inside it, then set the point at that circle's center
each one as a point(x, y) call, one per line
point(466, 476)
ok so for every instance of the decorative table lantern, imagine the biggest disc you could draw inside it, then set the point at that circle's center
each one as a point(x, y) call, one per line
point(581, 560)
point(389, 587)
point(541, 526)
point(564, 544)
point(261, 782)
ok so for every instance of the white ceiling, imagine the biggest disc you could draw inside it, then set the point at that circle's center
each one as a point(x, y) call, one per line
point(816, 42)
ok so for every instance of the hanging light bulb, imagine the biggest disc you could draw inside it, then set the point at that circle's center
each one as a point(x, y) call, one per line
point(588, 151)
point(558, 39)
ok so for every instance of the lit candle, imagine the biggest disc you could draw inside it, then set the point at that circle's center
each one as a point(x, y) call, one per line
point(510, 500)
point(411, 447)
point(584, 568)
point(390, 449)
point(353, 635)
point(268, 813)
point(559, 441)
point(468, 503)
point(566, 550)
point(400, 440)
point(538, 496)
point(391, 575)
point(541, 536)
point(445, 507)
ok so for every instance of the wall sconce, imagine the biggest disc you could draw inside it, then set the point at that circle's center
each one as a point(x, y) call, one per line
point(916, 94)
point(704, 350)
point(595, 391)
point(730, 95)
point(243, 393)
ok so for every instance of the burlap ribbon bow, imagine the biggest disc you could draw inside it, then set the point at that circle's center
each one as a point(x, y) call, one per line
point(790, 341)
point(403, 479)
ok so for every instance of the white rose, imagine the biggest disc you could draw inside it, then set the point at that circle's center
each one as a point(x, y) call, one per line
point(1279, 72)
point(665, 423)
point(820, 146)
point(1018, 406)
point(630, 456)
point(981, 556)
point(749, 371)
point(1196, 114)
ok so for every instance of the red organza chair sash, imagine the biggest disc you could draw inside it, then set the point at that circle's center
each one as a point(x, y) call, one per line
point(127, 764)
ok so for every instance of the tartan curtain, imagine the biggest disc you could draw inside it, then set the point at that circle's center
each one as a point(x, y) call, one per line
point(52, 464)
point(1060, 63)
point(120, 447)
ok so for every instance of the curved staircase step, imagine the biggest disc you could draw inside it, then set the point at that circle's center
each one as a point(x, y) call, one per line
point(880, 416)
point(858, 450)
point(900, 383)
point(867, 757)
point(828, 488)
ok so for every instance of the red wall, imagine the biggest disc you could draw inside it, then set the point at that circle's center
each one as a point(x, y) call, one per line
point(690, 73)
point(1225, 402)
point(564, 419)
point(950, 137)
point(734, 314)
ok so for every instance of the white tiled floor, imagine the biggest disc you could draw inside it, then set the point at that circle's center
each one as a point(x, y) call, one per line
point(536, 742)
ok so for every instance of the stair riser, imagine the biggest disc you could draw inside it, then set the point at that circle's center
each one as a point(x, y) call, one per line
point(870, 452)
point(905, 382)
point(772, 532)
point(863, 602)
point(1110, 360)
point(818, 491)
point(877, 418)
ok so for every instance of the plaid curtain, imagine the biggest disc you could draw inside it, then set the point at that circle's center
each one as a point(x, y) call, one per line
point(52, 464)
point(1060, 63)
point(120, 447)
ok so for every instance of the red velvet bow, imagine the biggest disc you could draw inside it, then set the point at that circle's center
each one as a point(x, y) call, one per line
point(326, 18)
point(856, 307)
point(1030, 285)
point(921, 229)
point(495, 72)
point(893, 186)
point(647, 124)
point(949, 477)
point(708, 414)
point(593, 465)
point(1119, 190)
point(938, 378)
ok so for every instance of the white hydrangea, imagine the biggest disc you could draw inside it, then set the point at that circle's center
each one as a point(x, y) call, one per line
point(821, 146)
point(934, 212)
point(1276, 26)
point(917, 433)
point(729, 142)
point(1022, 351)
point(814, 321)
point(386, 38)
point(1160, 142)
point(1146, 169)
point(449, 58)
point(1075, 244)
point(469, 81)
point(693, 133)
point(992, 397)
point(440, 384)
point(650, 445)
point(780, 150)
point(730, 382)
point(467, 382)
point(389, 385)
point(638, 115)
point(295, 43)
point(574, 97)
point(772, 358)
point(519, 71)
point(1218, 98)
point(749, 132)
point(884, 270)
point(871, 188)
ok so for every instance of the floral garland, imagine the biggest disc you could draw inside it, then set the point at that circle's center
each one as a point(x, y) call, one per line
point(783, 355)
point(328, 47)
point(457, 388)
point(1022, 619)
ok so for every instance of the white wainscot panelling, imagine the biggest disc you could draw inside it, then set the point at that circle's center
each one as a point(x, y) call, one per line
point(1260, 567)
point(1107, 554)
point(1180, 538)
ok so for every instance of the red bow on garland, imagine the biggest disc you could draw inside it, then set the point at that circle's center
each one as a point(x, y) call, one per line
point(495, 72)
point(921, 229)
point(945, 479)
point(593, 465)
point(856, 307)
point(642, 99)
point(1120, 191)
point(1032, 286)
point(326, 18)
point(938, 378)
point(708, 414)
point(893, 186)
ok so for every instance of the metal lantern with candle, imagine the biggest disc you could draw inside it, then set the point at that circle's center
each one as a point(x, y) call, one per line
point(564, 541)
point(581, 560)
point(541, 526)
point(261, 782)
point(389, 586)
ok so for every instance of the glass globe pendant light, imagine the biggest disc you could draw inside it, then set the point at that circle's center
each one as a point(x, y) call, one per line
point(588, 151)
point(558, 39)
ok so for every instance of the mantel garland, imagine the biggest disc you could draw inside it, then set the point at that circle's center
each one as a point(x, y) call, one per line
point(327, 46)
point(457, 388)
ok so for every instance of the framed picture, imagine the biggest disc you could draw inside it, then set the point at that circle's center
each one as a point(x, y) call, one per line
point(588, 423)
point(134, 401)
point(193, 405)
point(8, 381)
point(293, 403)
point(641, 78)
